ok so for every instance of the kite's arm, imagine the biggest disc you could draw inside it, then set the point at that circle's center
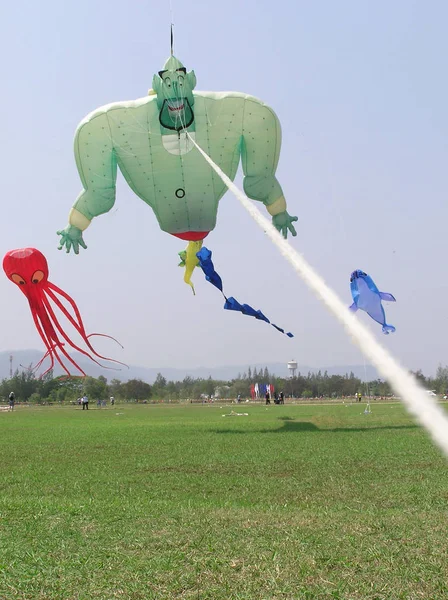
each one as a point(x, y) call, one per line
point(97, 168)
point(260, 151)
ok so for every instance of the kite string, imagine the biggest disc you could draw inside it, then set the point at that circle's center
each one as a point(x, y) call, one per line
point(366, 381)
point(418, 403)
point(172, 25)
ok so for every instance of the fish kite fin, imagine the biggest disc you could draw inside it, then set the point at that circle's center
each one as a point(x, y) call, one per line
point(353, 307)
point(388, 329)
point(387, 297)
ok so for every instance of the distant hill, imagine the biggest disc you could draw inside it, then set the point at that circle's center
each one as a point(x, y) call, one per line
point(27, 357)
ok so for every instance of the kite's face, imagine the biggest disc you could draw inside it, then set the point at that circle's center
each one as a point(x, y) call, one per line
point(174, 88)
point(27, 268)
point(357, 275)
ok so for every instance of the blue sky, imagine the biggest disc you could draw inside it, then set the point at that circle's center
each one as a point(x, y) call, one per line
point(360, 90)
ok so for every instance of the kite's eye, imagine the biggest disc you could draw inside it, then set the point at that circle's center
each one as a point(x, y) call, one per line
point(167, 81)
point(180, 79)
point(37, 277)
point(17, 279)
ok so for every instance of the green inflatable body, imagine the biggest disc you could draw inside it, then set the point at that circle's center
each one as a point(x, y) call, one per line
point(149, 140)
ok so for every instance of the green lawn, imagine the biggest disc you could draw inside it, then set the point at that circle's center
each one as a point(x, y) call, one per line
point(143, 502)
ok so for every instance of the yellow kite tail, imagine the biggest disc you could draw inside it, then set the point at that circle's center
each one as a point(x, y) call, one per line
point(190, 261)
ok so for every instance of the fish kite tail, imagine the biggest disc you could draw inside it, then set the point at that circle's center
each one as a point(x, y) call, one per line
point(190, 260)
point(388, 329)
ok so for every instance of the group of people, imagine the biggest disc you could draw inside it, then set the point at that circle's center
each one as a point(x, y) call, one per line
point(84, 402)
point(278, 398)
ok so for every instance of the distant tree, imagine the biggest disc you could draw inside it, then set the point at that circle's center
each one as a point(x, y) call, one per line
point(138, 389)
point(160, 381)
point(23, 384)
point(210, 387)
point(420, 377)
point(47, 384)
point(95, 389)
point(239, 387)
point(35, 398)
point(63, 389)
point(116, 388)
point(171, 392)
point(441, 381)
point(159, 386)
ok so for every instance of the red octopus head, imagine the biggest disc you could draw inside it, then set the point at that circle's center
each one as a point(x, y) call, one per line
point(26, 267)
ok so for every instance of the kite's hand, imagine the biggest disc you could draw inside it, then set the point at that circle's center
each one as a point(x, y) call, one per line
point(283, 221)
point(71, 237)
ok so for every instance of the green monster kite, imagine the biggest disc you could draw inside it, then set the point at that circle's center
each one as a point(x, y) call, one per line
point(150, 139)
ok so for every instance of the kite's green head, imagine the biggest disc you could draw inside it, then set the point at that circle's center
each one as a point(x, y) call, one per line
point(174, 88)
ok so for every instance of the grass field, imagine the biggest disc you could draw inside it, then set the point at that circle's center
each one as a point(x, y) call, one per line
point(160, 502)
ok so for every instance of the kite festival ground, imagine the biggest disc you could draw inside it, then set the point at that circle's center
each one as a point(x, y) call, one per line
point(156, 501)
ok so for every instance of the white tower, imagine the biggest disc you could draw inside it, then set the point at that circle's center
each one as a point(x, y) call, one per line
point(292, 368)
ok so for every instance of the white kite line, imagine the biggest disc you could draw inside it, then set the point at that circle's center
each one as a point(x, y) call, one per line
point(418, 402)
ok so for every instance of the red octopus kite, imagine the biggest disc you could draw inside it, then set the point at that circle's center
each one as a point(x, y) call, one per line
point(28, 269)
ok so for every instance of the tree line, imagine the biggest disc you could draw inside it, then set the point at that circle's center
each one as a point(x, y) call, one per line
point(31, 388)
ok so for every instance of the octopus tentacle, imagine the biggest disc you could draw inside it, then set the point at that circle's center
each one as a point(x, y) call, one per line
point(51, 286)
point(55, 322)
point(37, 366)
point(52, 335)
point(80, 324)
point(51, 350)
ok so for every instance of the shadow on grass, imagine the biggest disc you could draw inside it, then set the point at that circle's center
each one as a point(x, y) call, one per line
point(291, 425)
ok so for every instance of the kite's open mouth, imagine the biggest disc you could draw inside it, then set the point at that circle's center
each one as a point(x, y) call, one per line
point(176, 114)
point(175, 107)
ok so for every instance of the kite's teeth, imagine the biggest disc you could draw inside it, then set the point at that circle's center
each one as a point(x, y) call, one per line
point(173, 108)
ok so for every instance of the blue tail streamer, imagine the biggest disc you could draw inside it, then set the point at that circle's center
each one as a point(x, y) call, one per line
point(205, 262)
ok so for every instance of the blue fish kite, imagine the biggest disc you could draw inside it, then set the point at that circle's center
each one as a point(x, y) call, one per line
point(205, 261)
point(367, 297)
